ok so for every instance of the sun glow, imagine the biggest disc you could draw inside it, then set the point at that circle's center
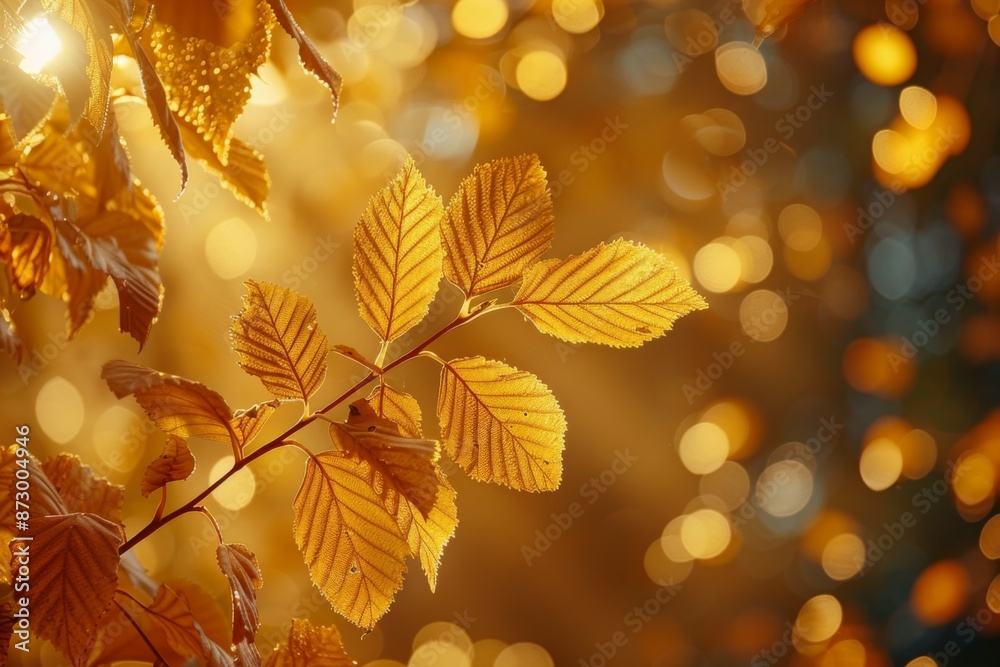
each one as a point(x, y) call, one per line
point(39, 44)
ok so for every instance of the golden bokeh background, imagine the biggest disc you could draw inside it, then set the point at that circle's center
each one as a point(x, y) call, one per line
point(803, 474)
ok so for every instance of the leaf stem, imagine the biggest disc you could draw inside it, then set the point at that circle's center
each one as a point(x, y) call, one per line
point(215, 524)
point(464, 317)
point(163, 504)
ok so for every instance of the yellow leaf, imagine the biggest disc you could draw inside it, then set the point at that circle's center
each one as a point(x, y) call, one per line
point(44, 499)
point(498, 223)
point(397, 254)
point(352, 547)
point(310, 646)
point(176, 463)
point(279, 341)
point(244, 173)
point(620, 294)
point(398, 407)
point(206, 74)
point(177, 406)
point(78, 553)
point(404, 467)
point(97, 38)
point(27, 102)
point(427, 536)
point(83, 491)
point(249, 422)
point(239, 565)
point(26, 247)
point(501, 424)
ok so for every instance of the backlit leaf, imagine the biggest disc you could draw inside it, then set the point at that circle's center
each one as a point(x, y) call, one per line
point(620, 294)
point(74, 572)
point(310, 645)
point(83, 491)
point(308, 55)
point(352, 547)
point(172, 620)
point(279, 341)
point(427, 536)
point(244, 173)
point(26, 247)
point(397, 254)
point(240, 567)
point(501, 424)
point(249, 422)
point(26, 101)
point(498, 223)
point(399, 407)
point(177, 406)
point(45, 500)
point(176, 463)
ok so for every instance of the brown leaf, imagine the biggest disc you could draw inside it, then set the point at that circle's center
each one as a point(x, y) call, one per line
point(74, 571)
point(397, 254)
point(177, 406)
point(501, 424)
point(278, 340)
point(240, 567)
point(176, 463)
point(6, 625)
point(352, 547)
point(172, 621)
point(499, 222)
point(310, 646)
point(43, 500)
point(83, 491)
point(308, 55)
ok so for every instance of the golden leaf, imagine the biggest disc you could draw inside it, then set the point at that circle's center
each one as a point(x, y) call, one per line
point(398, 407)
point(177, 406)
point(169, 619)
point(403, 467)
point(83, 491)
point(26, 247)
point(279, 341)
point(72, 552)
point(397, 254)
point(205, 59)
point(249, 422)
point(244, 172)
point(620, 294)
point(97, 38)
point(352, 547)
point(498, 223)
point(308, 55)
point(27, 102)
point(310, 646)
point(239, 565)
point(501, 424)
point(176, 463)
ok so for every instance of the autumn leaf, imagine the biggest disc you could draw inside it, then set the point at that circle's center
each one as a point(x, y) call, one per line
point(44, 499)
point(244, 172)
point(96, 33)
point(427, 536)
point(6, 624)
point(176, 463)
point(404, 468)
point(239, 565)
point(620, 294)
point(308, 55)
point(278, 340)
point(247, 423)
point(26, 247)
point(399, 407)
point(177, 406)
point(397, 254)
point(310, 645)
point(74, 571)
point(26, 102)
point(352, 547)
point(498, 223)
point(500, 424)
point(83, 491)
